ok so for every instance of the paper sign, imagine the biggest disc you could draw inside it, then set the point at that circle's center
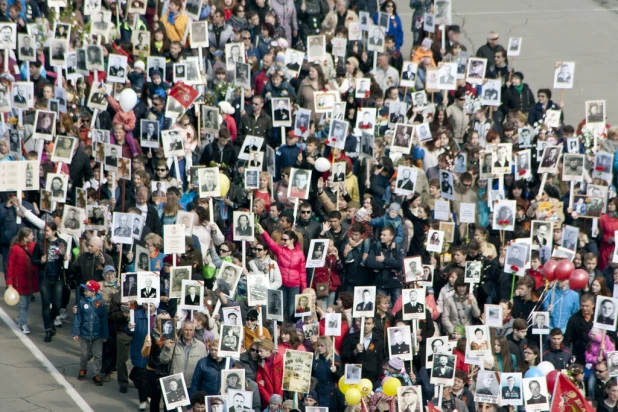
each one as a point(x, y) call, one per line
point(174, 239)
point(467, 212)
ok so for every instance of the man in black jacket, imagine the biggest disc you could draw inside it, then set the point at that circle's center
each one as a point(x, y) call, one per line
point(79, 169)
point(369, 352)
point(356, 274)
point(152, 223)
point(89, 265)
point(555, 352)
point(386, 261)
point(517, 339)
point(118, 317)
point(307, 227)
point(578, 326)
point(220, 151)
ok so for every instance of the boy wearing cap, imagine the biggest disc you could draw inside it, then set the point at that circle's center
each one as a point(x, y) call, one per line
point(274, 404)
point(90, 324)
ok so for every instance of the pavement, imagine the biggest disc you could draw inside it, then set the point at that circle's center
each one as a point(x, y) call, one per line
point(552, 30)
point(39, 376)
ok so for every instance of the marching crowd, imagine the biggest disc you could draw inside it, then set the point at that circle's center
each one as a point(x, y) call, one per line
point(371, 227)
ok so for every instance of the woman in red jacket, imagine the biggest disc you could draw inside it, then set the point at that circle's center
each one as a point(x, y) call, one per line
point(21, 274)
point(270, 372)
point(291, 260)
point(329, 274)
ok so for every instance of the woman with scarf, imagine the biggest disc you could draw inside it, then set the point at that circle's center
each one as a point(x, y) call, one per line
point(154, 243)
point(238, 19)
point(517, 96)
point(174, 21)
point(253, 330)
point(263, 263)
point(327, 372)
point(460, 308)
point(21, 274)
point(394, 26)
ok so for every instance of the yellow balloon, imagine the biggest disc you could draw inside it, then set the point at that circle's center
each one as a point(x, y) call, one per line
point(224, 184)
point(353, 396)
point(342, 385)
point(365, 386)
point(11, 296)
point(390, 386)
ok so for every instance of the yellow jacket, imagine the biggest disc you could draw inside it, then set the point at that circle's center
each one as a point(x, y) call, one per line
point(176, 31)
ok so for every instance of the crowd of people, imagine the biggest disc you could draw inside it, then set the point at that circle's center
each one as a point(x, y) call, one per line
point(438, 208)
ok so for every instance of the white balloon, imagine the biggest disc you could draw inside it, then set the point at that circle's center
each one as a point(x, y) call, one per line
point(11, 297)
point(545, 367)
point(128, 100)
point(322, 164)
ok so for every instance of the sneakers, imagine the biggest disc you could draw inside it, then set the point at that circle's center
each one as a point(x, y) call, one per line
point(58, 322)
point(24, 329)
point(82, 375)
point(48, 337)
point(106, 377)
point(143, 406)
point(97, 380)
point(63, 314)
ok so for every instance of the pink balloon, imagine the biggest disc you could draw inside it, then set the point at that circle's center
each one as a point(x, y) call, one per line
point(548, 270)
point(578, 279)
point(564, 269)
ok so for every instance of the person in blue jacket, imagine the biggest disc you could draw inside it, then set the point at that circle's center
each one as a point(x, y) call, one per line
point(90, 326)
point(562, 303)
point(394, 24)
point(327, 373)
point(207, 375)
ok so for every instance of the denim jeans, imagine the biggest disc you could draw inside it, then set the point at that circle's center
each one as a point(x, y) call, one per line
point(22, 314)
point(51, 292)
point(394, 293)
point(289, 293)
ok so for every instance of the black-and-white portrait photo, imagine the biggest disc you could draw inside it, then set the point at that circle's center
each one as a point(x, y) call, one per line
point(605, 313)
point(476, 70)
point(117, 68)
point(148, 285)
point(234, 53)
point(257, 286)
point(402, 138)
point(252, 175)
point(409, 399)
point(364, 301)
point(317, 253)
point(365, 120)
point(8, 35)
point(487, 387)
point(595, 112)
point(45, 124)
point(72, 221)
point(447, 76)
point(473, 272)
point(167, 328)
point(491, 92)
point(406, 180)
point(208, 178)
point(535, 393)
point(408, 74)
point(192, 295)
point(446, 184)
point(244, 226)
point(504, 215)
point(94, 58)
point(564, 75)
point(27, 47)
point(517, 255)
point(396, 114)
point(281, 113)
point(376, 39)
point(435, 346)
point(300, 180)
point(122, 228)
point(101, 22)
point(199, 34)
point(227, 278)
point(149, 133)
point(141, 43)
point(514, 47)
point(178, 274)
point(23, 95)
point(352, 373)
point(435, 240)
point(129, 286)
point(274, 308)
point(294, 60)
point(229, 340)
point(443, 369)
point(175, 391)
point(242, 75)
point(413, 301)
point(316, 49)
point(232, 379)
point(155, 64)
point(173, 143)
point(540, 323)
point(400, 342)
point(570, 237)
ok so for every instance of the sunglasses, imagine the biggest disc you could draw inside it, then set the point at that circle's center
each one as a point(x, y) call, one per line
point(253, 350)
point(285, 240)
point(257, 249)
point(305, 212)
point(224, 251)
point(251, 319)
point(161, 170)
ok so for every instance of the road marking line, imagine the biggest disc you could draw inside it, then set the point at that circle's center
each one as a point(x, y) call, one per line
point(81, 403)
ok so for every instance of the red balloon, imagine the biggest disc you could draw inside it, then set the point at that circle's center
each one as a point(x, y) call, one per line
point(549, 268)
point(564, 269)
point(551, 379)
point(578, 279)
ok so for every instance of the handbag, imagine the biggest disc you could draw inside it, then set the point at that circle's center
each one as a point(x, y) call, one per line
point(322, 289)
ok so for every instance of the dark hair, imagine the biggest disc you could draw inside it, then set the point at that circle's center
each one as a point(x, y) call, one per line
point(347, 299)
point(555, 332)
point(520, 324)
point(292, 236)
point(383, 7)
point(202, 214)
point(335, 214)
point(290, 329)
point(198, 397)
point(389, 229)
point(546, 92)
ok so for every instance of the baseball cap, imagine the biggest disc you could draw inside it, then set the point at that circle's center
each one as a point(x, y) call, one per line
point(92, 285)
point(109, 268)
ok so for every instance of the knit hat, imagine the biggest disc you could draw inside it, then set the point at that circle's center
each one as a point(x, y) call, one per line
point(276, 399)
point(109, 268)
point(155, 73)
point(461, 330)
point(267, 344)
point(396, 363)
point(168, 259)
point(287, 403)
point(354, 205)
point(226, 107)
point(280, 58)
point(139, 65)
point(394, 207)
point(520, 75)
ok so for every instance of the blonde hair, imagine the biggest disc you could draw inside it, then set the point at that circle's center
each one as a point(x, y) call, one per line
point(266, 175)
point(326, 341)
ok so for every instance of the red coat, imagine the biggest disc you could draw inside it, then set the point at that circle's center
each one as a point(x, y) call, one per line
point(270, 379)
point(20, 272)
point(291, 263)
point(608, 225)
point(338, 339)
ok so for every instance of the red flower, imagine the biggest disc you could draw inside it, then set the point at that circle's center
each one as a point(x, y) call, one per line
point(522, 172)
point(367, 94)
point(303, 129)
point(600, 168)
point(503, 222)
point(365, 126)
point(327, 142)
point(334, 139)
point(515, 268)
